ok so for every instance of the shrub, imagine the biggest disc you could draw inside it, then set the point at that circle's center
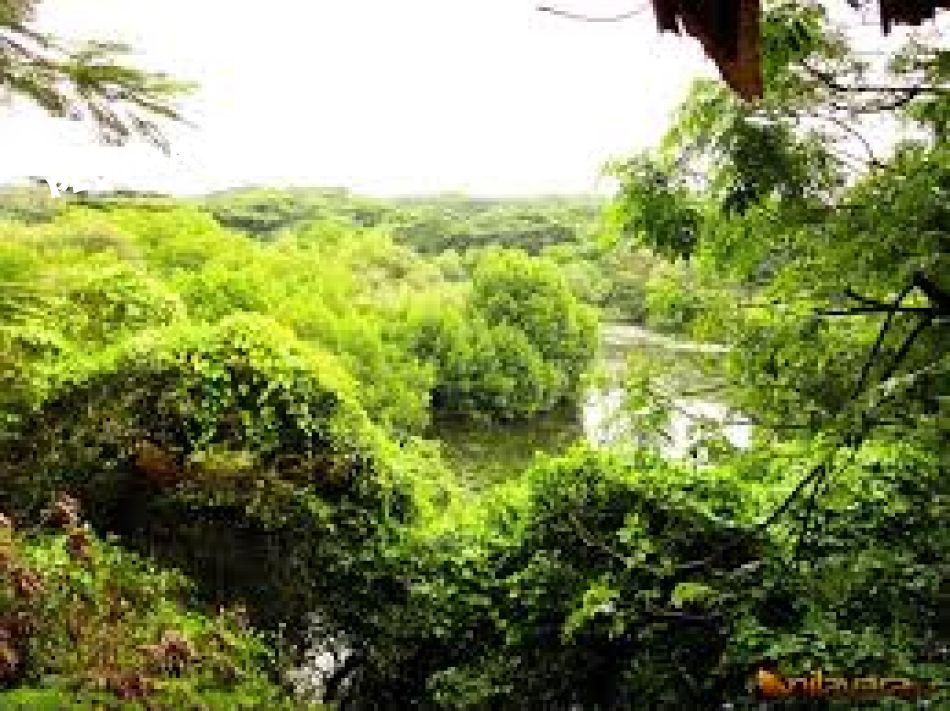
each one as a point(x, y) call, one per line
point(233, 450)
point(568, 586)
point(85, 624)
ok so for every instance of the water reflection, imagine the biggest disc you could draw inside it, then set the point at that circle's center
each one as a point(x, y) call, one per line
point(605, 423)
point(486, 453)
point(482, 454)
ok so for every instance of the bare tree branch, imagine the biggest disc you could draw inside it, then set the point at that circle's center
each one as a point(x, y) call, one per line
point(589, 18)
point(876, 348)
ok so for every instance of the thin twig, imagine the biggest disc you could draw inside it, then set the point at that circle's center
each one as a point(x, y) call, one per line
point(870, 310)
point(588, 538)
point(591, 18)
point(818, 489)
point(910, 91)
point(876, 348)
point(852, 131)
point(816, 472)
point(868, 301)
point(938, 297)
point(908, 343)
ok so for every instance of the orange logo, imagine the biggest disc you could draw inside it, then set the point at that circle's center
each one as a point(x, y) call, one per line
point(772, 686)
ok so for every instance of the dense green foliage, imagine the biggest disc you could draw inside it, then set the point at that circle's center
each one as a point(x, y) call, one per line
point(353, 292)
point(87, 624)
point(829, 277)
point(245, 391)
point(230, 405)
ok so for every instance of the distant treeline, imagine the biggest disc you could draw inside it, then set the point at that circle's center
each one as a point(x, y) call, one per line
point(429, 224)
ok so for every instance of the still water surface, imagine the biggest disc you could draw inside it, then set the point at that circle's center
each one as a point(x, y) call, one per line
point(485, 454)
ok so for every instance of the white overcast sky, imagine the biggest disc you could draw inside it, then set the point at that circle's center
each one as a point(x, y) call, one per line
point(480, 96)
point(486, 97)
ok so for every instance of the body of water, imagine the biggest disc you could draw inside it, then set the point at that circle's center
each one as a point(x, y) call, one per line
point(485, 454)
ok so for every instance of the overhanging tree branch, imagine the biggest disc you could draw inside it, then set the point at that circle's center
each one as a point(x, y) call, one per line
point(909, 92)
point(89, 81)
